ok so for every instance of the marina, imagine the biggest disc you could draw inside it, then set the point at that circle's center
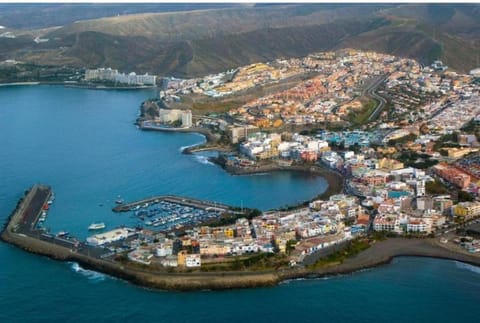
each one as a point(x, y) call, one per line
point(165, 213)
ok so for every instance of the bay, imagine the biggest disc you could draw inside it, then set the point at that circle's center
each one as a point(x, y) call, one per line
point(84, 144)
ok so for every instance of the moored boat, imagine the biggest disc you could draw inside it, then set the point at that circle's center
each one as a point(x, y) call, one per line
point(97, 226)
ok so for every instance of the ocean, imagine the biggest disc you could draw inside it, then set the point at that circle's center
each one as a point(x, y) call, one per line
point(84, 144)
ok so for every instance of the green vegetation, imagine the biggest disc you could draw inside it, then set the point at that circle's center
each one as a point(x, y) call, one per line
point(436, 187)
point(259, 261)
point(353, 248)
point(290, 246)
point(472, 127)
point(435, 53)
point(215, 106)
point(230, 218)
point(447, 141)
point(359, 117)
point(381, 235)
point(402, 140)
point(465, 197)
point(177, 123)
point(413, 159)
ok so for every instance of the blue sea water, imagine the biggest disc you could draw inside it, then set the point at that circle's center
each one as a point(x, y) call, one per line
point(84, 144)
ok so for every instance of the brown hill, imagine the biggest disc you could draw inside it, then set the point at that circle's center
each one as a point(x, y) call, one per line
point(204, 41)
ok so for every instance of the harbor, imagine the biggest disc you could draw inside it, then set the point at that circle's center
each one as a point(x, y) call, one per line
point(22, 231)
point(167, 213)
point(187, 202)
point(104, 253)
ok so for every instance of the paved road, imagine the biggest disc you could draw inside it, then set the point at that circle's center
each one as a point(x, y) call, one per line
point(381, 101)
point(30, 216)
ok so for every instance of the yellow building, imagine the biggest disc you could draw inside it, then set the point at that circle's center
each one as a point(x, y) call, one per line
point(267, 154)
point(467, 210)
point(459, 152)
point(186, 242)
point(182, 258)
point(390, 164)
point(211, 249)
point(229, 232)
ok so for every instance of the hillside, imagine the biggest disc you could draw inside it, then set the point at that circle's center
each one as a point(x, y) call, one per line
point(42, 15)
point(198, 24)
point(199, 42)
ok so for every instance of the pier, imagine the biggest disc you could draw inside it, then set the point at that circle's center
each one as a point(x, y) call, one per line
point(185, 201)
point(25, 217)
point(23, 230)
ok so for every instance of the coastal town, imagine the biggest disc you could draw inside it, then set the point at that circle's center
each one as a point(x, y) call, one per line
point(402, 170)
point(399, 140)
point(239, 161)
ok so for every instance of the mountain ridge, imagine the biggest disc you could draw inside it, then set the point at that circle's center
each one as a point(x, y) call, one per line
point(195, 43)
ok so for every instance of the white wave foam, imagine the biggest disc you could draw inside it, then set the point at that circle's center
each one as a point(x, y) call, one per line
point(203, 159)
point(194, 145)
point(90, 274)
point(468, 267)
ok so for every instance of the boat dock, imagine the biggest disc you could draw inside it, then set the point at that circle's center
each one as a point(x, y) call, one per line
point(26, 216)
point(185, 201)
point(24, 230)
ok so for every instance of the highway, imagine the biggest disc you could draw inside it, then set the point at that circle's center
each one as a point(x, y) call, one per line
point(381, 101)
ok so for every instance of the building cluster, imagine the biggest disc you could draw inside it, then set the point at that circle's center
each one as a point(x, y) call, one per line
point(427, 102)
point(349, 138)
point(232, 81)
point(452, 174)
point(320, 225)
point(402, 214)
point(170, 118)
point(261, 146)
point(112, 75)
point(441, 100)
point(328, 97)
point(455, 114)
point(110, 236)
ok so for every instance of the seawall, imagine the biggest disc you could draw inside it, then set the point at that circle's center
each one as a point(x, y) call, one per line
point(17, 233)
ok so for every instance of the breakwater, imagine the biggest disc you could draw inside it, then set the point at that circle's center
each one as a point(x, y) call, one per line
point(185, 201)
point(20, 231)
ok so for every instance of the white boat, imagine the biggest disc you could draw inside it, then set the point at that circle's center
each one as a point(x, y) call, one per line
point(96, 226)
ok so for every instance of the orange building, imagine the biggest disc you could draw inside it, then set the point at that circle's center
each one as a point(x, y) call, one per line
point(453, 175)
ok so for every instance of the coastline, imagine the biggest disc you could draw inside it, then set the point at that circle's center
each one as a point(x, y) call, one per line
point(209, 136)
point(77, 85)
point(334, 180)
point(106, 87)
point(379, 254)
point(19, 84)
